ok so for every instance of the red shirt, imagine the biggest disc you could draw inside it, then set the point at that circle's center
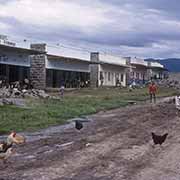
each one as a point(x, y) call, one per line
point(152, 88)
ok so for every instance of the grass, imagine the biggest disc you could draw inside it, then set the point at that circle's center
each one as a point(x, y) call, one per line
point(44, 113)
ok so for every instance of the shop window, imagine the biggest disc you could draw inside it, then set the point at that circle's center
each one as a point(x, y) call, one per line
point(122, 77)
point(105, 76)
point(137, 75)
point(101, 76)
point(109, 76)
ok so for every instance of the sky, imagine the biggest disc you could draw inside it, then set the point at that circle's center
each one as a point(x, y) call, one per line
point(136, 28)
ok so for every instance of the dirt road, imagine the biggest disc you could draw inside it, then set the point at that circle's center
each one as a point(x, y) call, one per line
point(116, 145)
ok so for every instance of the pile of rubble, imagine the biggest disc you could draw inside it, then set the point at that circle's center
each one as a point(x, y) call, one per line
point(20, 89)
point(169, 83)
point(24, 93)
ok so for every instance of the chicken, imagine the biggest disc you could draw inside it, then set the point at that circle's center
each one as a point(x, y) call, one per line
point(12, 138)
point(158, 139)
point(4, 146)
point(15, 138)
point(177, 102)
point(5, 155)
point(78, 125)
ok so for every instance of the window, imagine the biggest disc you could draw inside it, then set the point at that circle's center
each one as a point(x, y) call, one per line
point(122, 77)
point(109, 76)
point(101, 75)
point(105, 74)
point(112, 76)
point(2, 69)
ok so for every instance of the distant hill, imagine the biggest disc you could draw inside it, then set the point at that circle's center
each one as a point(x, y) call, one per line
point(172, 64)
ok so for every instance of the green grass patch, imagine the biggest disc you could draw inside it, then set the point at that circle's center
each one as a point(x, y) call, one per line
point(45, 113)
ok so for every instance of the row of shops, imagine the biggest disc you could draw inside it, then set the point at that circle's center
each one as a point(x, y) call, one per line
point(87, 69)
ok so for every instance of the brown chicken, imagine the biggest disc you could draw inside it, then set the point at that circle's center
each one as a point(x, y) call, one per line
point(12, 138)
point(158, 139)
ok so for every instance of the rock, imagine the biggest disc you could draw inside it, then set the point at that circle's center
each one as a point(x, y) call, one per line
point(6, 101)
point(169, 83)
point(24, 91)
point(1, 103)
point(16, 92)
point(42, 94)
point(4, 92)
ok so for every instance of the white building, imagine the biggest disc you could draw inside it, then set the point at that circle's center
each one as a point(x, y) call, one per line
point(107, 70)
point(48, 68)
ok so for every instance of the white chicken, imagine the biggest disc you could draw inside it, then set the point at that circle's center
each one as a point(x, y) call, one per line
point(177, 102)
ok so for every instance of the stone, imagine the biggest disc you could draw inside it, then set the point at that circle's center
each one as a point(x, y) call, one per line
point(16, 92)
point(7, 101)
point(42, 94)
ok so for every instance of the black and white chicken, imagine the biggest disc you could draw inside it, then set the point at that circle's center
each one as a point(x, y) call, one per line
point(5, 155)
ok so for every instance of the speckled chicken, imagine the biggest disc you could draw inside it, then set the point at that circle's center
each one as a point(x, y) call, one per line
point(5, 155)
point(12, 138)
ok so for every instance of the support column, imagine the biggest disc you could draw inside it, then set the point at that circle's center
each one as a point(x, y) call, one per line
point(128, 71)
point(149, 71)
point(38, 71)
point(94, 69)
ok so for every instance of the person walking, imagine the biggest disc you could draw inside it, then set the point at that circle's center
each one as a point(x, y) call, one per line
point(152, 92)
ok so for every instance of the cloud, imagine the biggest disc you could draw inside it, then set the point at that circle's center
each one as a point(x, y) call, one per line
point(44, 13)
point(141, 27)
point(4, 26)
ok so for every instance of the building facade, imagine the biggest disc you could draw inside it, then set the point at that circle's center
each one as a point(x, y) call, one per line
point(107, 70)
point(15, 63)
point(142, 71)
point(94, 69)
point(48, 70)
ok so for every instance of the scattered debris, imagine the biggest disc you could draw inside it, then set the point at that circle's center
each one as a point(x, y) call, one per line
point(14, 93)
point(132, 102)
point(65, 144)
point(88, 144)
